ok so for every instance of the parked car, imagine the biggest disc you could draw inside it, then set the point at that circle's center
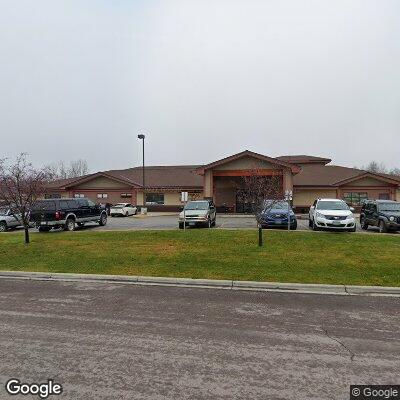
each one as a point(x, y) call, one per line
point(199, 212)
point(331, 214)
point(123, 209)
point(276, 214)
point(66, 213)
point(385, 214)
point(9, 219)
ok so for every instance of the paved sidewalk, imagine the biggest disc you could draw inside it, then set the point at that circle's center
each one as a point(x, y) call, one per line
point(214, 283)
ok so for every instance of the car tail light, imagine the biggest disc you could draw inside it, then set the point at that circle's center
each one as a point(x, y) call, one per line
point(58, 215)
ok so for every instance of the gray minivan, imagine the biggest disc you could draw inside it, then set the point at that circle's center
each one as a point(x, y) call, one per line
point(198, 212)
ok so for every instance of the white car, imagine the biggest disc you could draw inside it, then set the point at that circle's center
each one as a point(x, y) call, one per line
point(331, 214)
point(9, 220)
point(123, 209)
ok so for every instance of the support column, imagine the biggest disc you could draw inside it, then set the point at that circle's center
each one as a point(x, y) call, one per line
point(287, 180)
point(208, 184)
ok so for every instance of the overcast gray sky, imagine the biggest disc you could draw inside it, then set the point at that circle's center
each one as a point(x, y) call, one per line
point(202, 79)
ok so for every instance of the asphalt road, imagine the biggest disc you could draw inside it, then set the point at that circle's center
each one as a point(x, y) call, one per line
point(111, 341)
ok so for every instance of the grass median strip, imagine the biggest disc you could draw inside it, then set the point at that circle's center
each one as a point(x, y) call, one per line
point(302, 257)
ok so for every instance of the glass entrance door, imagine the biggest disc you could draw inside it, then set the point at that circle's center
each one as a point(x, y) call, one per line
point(242, 206)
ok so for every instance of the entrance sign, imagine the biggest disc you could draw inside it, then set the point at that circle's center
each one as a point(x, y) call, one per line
point(184, 199)
point(288, 198)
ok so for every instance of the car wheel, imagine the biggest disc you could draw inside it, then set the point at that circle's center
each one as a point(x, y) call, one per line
point(3, 226)
point(294, 227)
point(180, 225)
point(209, 223)
point(44, 229)
point(103, 219)
point(126, 213)
point(353, 229)
point(363, 223)
point(70, 225)
point(382, 227)
point(314, 227)
point(310, 224)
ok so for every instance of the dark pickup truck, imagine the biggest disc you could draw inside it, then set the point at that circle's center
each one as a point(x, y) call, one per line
point(66, 213)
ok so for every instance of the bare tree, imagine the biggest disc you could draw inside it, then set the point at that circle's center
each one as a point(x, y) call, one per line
point(78, 168)
point(395, 172)
point(75, 169)
point(380, 168)
point(374, 166)
point(20, 187)
point(260, 193)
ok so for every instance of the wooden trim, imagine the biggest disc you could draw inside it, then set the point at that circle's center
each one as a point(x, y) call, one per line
point(307, 187)
point(79, 181)
point(360, 188)
point(373, 175)
point(248, 172)
point(123, 189)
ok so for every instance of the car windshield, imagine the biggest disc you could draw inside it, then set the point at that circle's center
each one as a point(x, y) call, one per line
point(3, 211)
point(276, 205)
point(332, 205)
point(389, 207)
point(119, 205)
point(196, 205)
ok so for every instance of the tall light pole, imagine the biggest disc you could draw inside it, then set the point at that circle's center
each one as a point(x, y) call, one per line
point(141, 137)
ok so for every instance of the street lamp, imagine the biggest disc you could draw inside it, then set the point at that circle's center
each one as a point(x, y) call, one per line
point(141, 137)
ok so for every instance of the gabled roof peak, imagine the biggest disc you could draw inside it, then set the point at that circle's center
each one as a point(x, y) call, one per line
point(249, 153)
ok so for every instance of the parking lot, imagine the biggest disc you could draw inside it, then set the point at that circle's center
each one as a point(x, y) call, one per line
point(170, 221)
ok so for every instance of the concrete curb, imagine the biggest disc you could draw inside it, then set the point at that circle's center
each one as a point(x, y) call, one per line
point(209, 283)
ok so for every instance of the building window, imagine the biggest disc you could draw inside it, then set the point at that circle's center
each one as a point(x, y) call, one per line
point(126, 195)
point(79, 195)
point(52, 196)
point(355, 198)
point(154, 198)
point(102, 195)
point(193, 196)
point(384, 196)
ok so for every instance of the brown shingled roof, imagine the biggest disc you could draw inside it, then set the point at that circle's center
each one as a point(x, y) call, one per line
point(58, 183)
point(324, 175)
point(304, 159)
point(186, 176)
point(172, 176)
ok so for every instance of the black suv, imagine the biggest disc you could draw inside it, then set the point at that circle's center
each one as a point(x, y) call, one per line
point(66, 213)
point(385, 214)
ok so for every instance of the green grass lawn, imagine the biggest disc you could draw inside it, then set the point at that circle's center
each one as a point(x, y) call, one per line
point(341, 258)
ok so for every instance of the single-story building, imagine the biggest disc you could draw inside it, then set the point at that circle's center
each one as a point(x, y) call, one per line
point(308, 177)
